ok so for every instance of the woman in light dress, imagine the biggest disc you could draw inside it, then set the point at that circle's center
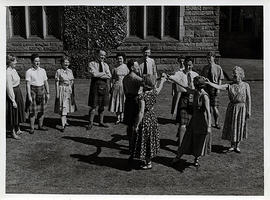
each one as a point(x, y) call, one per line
point(64, 87)
point(14, 100)
point(238, 110)
point(117, 92)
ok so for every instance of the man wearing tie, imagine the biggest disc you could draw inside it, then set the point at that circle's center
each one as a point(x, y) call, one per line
point(99, 88)
point(147, 65)
point(184, 110)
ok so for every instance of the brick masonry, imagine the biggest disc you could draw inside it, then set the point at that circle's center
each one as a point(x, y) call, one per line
point(201, 24)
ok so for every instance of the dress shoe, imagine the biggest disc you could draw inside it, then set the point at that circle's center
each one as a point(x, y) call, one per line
point(103, 125)
point(41, 128)
point(89, 127)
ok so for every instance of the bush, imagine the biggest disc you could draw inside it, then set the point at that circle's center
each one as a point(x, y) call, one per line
point(88, 28)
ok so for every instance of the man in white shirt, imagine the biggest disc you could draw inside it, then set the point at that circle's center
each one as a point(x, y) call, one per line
point(99, 88)
point(147, 65)
point(184, 110)
point(37, 93)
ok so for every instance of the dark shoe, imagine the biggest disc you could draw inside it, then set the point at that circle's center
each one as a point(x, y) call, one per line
point(62, 129)
point(217, 126)
point(89, 127)
point(175, 160)
point(32, 131)
point(103, 125)
point(237, 150)
point(42, 128)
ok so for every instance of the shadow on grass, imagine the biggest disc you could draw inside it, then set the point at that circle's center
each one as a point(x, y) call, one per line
point(165, 142)
point(165, 121)
point(117, 137)
point(219, 149)
point(99, 143)
point(85, 118)
point(166, 161)
point(116, 163)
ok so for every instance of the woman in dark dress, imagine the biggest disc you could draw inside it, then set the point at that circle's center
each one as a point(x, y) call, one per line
point(197, 140)
point(147, 142)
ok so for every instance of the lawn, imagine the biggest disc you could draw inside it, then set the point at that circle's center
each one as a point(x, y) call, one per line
point(94, 162)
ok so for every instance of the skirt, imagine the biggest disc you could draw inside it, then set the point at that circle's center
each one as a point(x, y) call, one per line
point(39, 100)
point(184, 110)
point(235, 124)
point(65, 103)
point(99, 93)
point(117, 98)
point(15, 116)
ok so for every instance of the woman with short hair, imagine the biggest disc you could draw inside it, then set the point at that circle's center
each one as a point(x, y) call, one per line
point(38, 93)
point(14, 100)
point(238, 110)
point(64, 87)
point(117, 99)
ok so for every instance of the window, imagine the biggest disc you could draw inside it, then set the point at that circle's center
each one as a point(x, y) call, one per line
point(171, 21)
point(147, 22)
point(53, 24)
point(18, 20)
point(136, 21)
point(153, 21)
point(36, 21)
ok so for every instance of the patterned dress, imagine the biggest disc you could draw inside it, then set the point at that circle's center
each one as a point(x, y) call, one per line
point(118, 97)
point(66, 103)
point(235, 127)
point(147, 142)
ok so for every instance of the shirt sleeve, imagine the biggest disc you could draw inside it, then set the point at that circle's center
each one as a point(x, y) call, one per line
point(27, 76)
point(71, 75)
point(107, 70)
point(9, 85)
point(57, 75)
point(45, 78)
point(221, 73)
point(93, 71)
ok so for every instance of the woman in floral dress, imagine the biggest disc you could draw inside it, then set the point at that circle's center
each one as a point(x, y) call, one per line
point(117, 92)
point(238, 110)
point(147, 142)
point(64, 102)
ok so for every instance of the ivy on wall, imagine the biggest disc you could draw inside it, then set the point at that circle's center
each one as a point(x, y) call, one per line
point(88, 28)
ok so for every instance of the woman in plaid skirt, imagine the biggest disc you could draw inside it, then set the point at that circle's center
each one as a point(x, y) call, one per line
point(37, 93)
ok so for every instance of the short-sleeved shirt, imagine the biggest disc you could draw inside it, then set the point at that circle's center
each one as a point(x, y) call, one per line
point(36, 77)
point(214, 73)
point(64, 76)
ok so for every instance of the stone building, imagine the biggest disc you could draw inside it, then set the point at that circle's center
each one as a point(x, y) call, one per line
point(168, 30)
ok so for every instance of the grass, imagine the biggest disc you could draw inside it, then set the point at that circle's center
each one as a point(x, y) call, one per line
point(93, 162)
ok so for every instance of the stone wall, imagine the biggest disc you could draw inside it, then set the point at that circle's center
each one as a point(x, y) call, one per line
point(50, 52)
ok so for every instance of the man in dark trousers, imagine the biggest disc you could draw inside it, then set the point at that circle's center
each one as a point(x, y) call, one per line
point(131, 83)
point(99, 88)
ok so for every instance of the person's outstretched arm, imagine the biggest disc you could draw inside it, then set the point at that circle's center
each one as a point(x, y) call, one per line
point(140, 115)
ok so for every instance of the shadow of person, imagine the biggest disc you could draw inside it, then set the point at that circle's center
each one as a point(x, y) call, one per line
point(93, 159)
point(166, 142)
point(219, 149)
point(166, 161)
point(85, 118)
point(99, 143)
point(165, 121)
point(117, 137)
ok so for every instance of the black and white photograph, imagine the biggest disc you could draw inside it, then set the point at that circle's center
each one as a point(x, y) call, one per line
point(134, 99)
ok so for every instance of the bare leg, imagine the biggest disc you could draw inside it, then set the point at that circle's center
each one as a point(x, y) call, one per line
point(32, 123)
point(91, 118)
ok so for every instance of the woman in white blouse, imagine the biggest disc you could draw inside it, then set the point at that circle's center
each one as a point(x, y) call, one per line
point(64, 102)
point(14, 100)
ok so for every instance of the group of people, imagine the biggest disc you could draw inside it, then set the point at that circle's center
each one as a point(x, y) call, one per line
point(131, 91)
